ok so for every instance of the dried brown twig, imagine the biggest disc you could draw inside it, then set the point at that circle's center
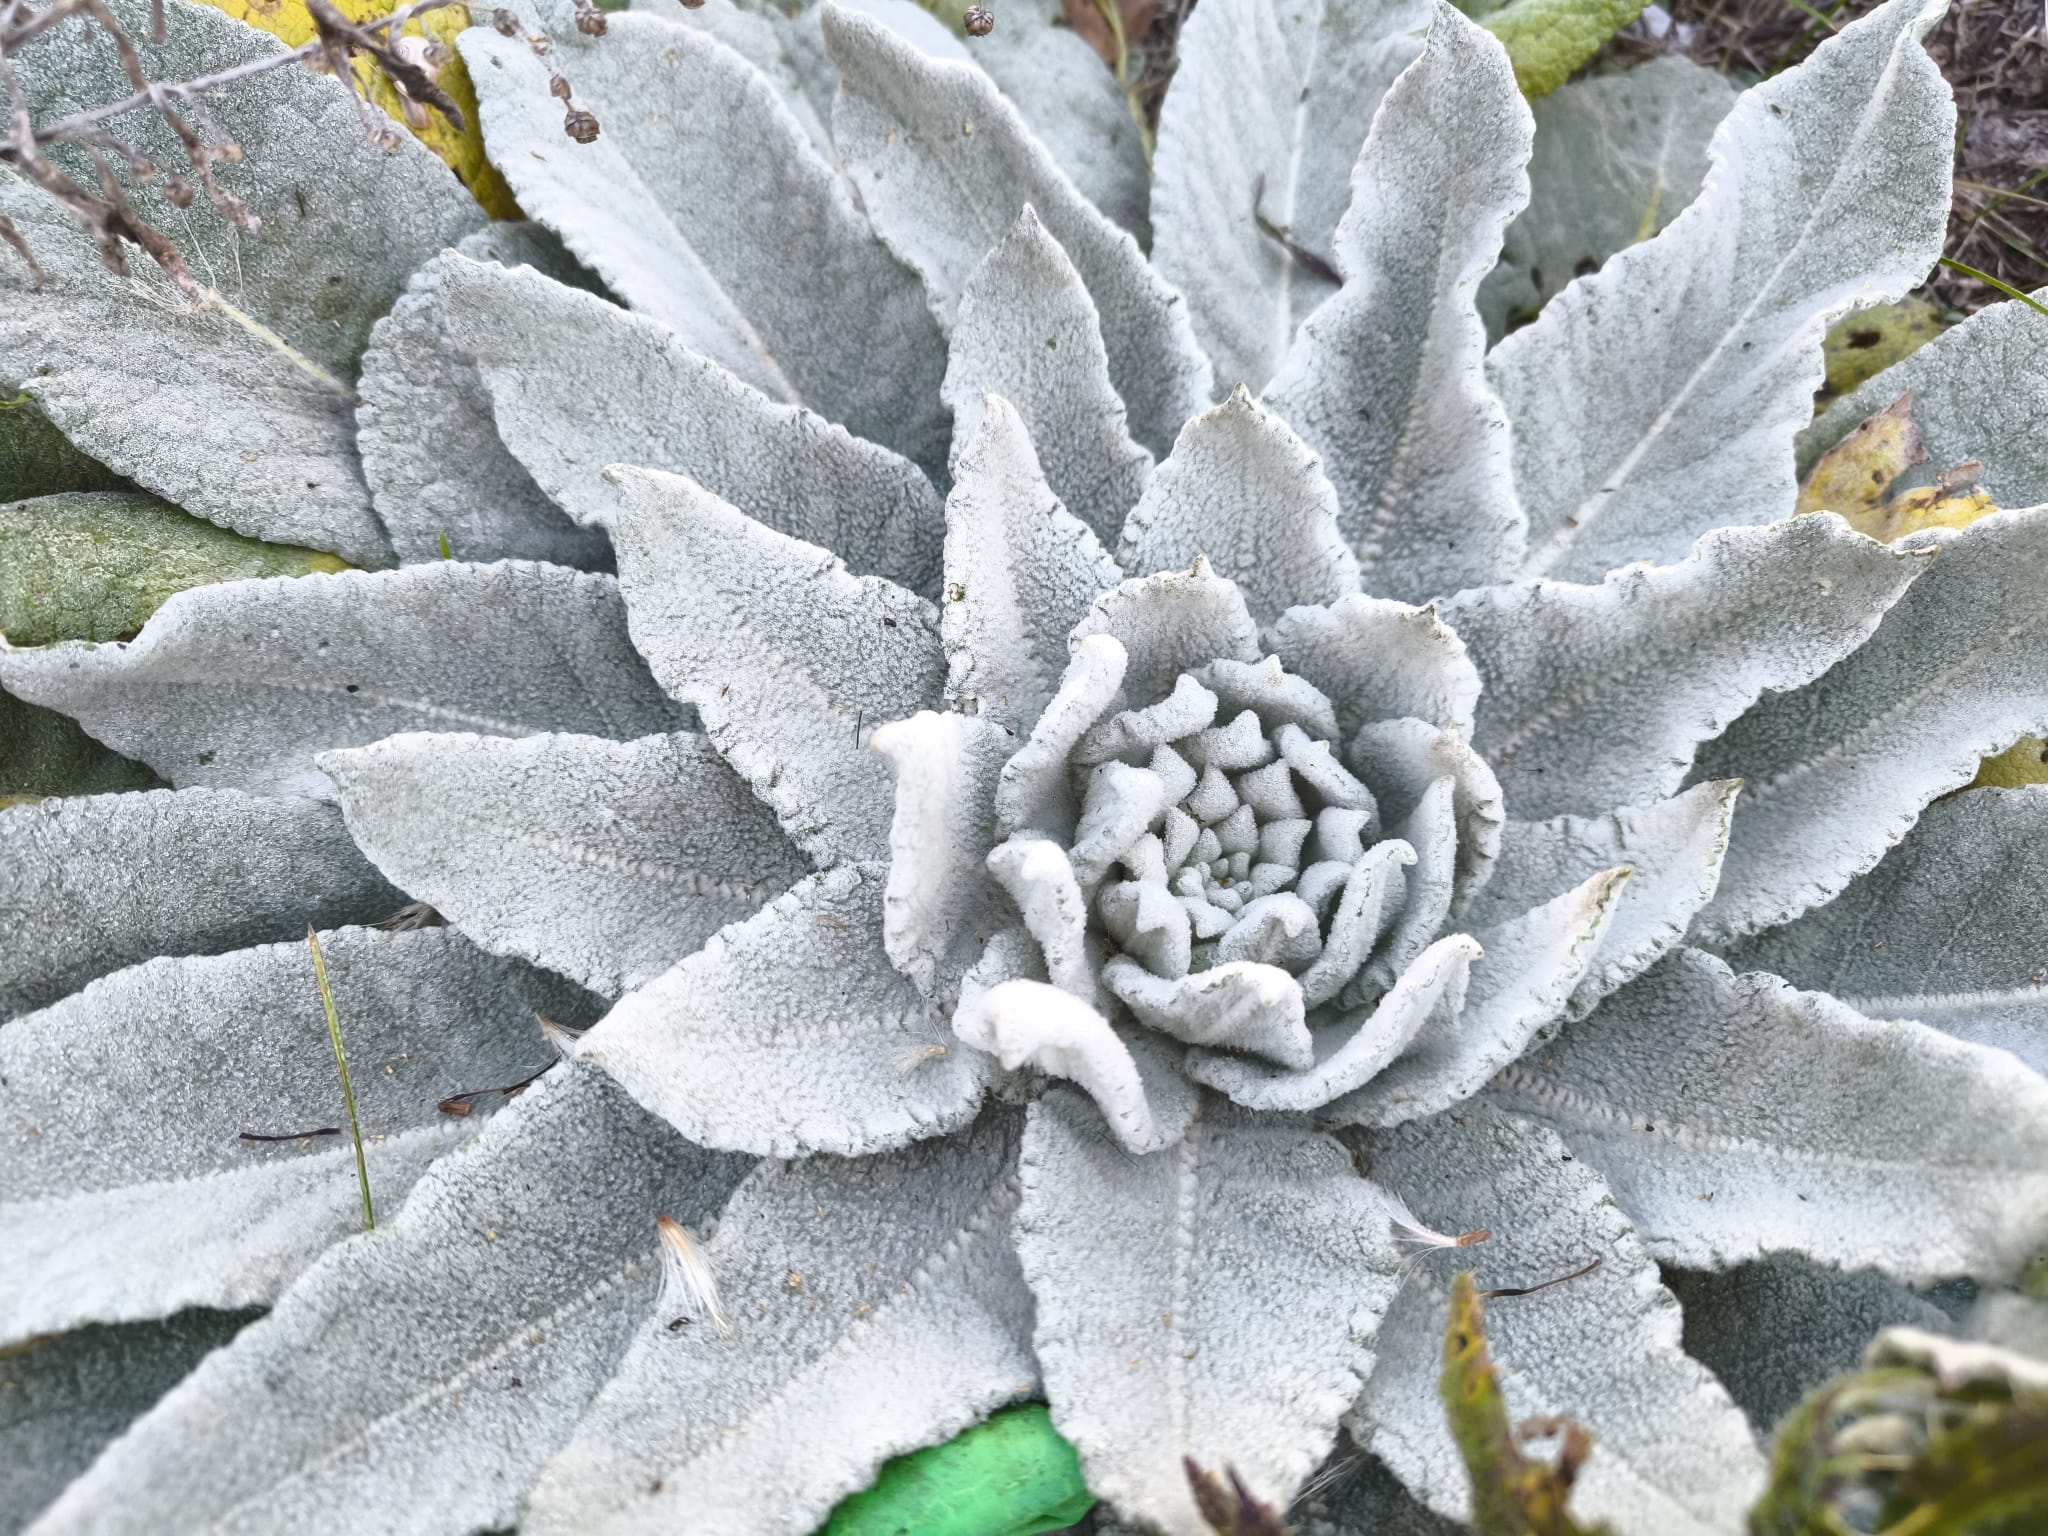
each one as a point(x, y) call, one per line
point(87, 138)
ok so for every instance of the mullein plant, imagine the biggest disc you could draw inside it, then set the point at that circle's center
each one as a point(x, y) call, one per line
point(1089, 827)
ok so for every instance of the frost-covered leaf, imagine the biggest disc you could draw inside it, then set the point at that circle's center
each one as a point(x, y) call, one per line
point(606, 861)
point(1950, 929)
point(90, 885)
point(1270, 102)
point(1377, 659)
point(130, 1192)
point(577, 385)
point(1836, 772)
point(1813, 1129)
point(45, 753)
point(187, 403)
point(1218, 1299)
point(1673, 847)
point(787, 49)
point(1660, 396)
point(96, 565)
point(944, 165)
point(876, 1307)
point(790, 1034)
point(1027, 330)
point(437, 471)
point(1977, 394)
point(1242, 489)
point(703, 205)
point(1073, 106)
point(1775, 1329)
point(63, 1400)
point(1172, 623)
point(1617, 158)
point(416, 1379)
point(1672, 1454)
point(1021, 571)
point(1598, 696)
point(788, 657)
point(1386, 379)
point(239, 686)
point(1529, 969)
point(941, 904)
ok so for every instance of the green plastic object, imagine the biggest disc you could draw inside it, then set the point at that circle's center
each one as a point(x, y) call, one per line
point(1010, 1476)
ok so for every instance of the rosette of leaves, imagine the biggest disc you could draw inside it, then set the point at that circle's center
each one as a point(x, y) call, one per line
point(1101, 811)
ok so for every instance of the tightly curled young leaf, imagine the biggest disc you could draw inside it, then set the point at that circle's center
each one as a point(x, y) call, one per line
point(1024, 799)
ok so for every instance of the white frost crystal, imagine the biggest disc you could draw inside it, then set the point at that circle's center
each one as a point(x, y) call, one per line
point(1093, 798)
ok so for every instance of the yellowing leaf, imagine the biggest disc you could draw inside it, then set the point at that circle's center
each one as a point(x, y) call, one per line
point(1547, 40)
point(95, 565)
point(1866, 343)
point(1856, 476)
point(2024, 762)
point(289, 23)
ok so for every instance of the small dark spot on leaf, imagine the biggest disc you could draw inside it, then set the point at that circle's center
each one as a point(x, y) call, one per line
point(1861, 339)
point(350, 688)
point(1586, 267)
point(205, 758)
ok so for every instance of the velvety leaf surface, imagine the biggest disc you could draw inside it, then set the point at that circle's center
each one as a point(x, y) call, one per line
point(1269, 104)
point(1814, 1130)
point(1377, 660)
point(698, 171)
point(129, 1193)
point(1673, 847)
point(38, 460)
point(1218, 1299)
point(577, 385)
point(239, 686)
point(1021, 571)
point(62, 1400)
point(790, 1034)
point(1532, 966)
point(606, 861)
point(1836, 772)
point(92, 884)
point(944, 165)
point(1776, 1328)
point(1422, 472)
point(1671, 1453)
point(789, 658)
point(430, 449)
point(1977, 394)
point(1950, 929)
point(1617, 157)
point(187, 402)
point(1660, 396)
point(1172, 623)
point(1598, 696)
point(1027, 330)
point(96, 565)
point(415, 1380)
point(877, 1307)
point(1242, 489)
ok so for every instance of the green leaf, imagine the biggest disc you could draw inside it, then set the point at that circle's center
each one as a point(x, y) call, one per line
point(1548, 39)
point(1010, 1476)
point(36, 459)
point(94, 565)
point(1863, 344)
point(45, 753)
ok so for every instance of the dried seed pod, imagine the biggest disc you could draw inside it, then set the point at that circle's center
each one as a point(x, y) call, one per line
point(506, 23)
point(541, 46)
point(590, 20)
point(693, 5)
point(558, 87)
point(580, 125)
point(979, 21)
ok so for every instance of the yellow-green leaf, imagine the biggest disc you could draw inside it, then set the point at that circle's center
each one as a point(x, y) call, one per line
point(94, 565)
point(1864, 344)
point(1547, 40)
point(2024, 762)
point(289, 23)
point(1856, 478)
point(1010, 1476)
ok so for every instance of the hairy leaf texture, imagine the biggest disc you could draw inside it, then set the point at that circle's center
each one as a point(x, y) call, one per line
point(1660, 396)
point(250, 431)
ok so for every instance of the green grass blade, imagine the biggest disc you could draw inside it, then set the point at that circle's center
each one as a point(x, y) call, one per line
point(348, 1092)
